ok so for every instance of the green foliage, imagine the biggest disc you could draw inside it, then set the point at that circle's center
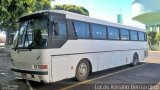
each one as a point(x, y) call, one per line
point(153, 40)
point(151, 37)
point(157, 36)
point(11, 10)
point(41, 5)
point(72, 8)
point(155, 47)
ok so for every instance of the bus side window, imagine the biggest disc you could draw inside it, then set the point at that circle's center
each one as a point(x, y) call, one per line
point(81, 29)
point(59, 30)
point(124, 34)
point(134, 35)
point(98, 31)
point(113, 33)
point(141, 36)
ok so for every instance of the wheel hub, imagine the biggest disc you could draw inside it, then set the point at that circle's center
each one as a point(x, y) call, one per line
point(83, 69)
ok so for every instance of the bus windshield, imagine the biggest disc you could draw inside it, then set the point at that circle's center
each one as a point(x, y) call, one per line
point(32, 34)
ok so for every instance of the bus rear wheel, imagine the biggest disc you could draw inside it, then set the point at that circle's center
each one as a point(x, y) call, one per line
point(82, 70)
point(135, 60)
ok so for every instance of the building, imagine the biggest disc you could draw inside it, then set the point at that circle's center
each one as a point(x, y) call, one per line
point(148, 13)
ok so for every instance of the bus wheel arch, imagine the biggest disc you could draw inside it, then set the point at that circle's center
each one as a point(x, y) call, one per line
point(87, 68)
point(135, 59)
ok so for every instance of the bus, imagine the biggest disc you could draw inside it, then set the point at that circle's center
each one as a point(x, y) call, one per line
point(53, 45)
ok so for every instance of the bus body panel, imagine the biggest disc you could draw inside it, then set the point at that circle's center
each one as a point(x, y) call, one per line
point(62, 62)
point(65, 59)
point(66, 65)
point(83, 46)
point(24, 61)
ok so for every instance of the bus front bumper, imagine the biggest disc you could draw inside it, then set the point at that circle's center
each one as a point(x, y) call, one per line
point(31, 75)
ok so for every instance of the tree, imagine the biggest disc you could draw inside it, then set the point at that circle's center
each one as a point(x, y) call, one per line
point(72, 8)
point(11, 10)
point(158, 38)
point(151, 38)
point(42, 5)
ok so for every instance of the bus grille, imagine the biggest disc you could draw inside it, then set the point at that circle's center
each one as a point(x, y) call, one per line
point(23, 65)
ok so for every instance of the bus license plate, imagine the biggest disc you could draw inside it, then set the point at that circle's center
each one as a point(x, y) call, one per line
point(23, 75)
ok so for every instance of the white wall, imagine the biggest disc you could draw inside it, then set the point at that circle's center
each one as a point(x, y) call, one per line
point(143, 6)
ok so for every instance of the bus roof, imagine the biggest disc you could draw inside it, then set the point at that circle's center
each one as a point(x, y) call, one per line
point(70, 15)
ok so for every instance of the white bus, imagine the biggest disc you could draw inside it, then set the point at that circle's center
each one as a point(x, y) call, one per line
point(73, 46)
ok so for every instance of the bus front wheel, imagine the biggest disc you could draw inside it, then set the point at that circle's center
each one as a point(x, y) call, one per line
point(82, 70)
point(135, 60)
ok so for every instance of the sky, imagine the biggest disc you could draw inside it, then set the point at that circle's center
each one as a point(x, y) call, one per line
point(106, 9)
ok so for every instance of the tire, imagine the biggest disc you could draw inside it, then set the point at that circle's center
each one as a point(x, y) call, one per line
point(135, 60)
point(82, 70)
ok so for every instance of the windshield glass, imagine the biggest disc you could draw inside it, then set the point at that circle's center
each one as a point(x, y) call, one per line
point(32, 34)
